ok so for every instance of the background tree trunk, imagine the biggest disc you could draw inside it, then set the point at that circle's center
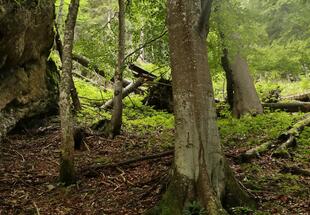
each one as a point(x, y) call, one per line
point(116, 120)
point(67, 172)
point(245, 96)
point(60, 11)
point(228, 73)
point(201, 173)
point(73, 92)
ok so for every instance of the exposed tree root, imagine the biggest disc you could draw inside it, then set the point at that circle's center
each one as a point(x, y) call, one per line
point(285, 140)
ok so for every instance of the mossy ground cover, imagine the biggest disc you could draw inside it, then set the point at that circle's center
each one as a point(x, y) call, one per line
point(30, 160)
point(276, 192)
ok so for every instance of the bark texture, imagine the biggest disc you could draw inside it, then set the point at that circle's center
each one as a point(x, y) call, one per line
point(67, 172)
point(245, 96)
point(228, 73)
point(28, 81)
point(74, 95)
point(116, 120)
point(200, 167)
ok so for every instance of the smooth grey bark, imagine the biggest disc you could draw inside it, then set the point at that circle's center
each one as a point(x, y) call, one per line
point(67, 171)
point(201, 173)
point(198, 158)
point(116, 120)
point(246, 100)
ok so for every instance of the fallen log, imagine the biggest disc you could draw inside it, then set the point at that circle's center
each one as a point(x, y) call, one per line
point(139, 72)
point(129, 89)
point(83, 61)
point(86, 63)
point(285, 140)
point(305, 97)
point(289, 107)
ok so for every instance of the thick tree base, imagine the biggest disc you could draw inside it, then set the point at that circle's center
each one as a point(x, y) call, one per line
point(184, 196)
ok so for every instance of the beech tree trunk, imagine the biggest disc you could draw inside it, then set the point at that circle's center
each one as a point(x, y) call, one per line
point(116, 120)
point(201, 174)
point(246, 100)
point(67, 171)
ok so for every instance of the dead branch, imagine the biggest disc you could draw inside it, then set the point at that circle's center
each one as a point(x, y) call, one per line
point(92, 169)
point(129, 89)
point(256, 152)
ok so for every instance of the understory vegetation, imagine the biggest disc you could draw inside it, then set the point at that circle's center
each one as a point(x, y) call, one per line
point(151, 99)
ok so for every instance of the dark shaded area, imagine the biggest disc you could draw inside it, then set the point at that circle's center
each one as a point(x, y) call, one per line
point(159, 96)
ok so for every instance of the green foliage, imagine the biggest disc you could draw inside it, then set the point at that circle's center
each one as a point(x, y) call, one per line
point(136, 116)
point(241, 211)
point(248, 128)
point(194, 208)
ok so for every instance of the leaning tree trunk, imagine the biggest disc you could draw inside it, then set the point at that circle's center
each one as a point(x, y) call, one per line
point(245, 96)
point(201, 175)
point(67, 172)
point(116, 120)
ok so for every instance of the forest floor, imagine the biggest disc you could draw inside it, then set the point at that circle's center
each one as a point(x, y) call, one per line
point(29, 165)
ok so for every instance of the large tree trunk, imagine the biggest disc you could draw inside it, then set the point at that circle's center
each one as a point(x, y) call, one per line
point(28, 81)
point(200, 174)
point(116, 120)
point(67, 172)
point(245, 96)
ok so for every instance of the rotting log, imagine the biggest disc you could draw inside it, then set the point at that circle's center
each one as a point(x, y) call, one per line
point(289, 107)
point(304, 97)
point(129, 89)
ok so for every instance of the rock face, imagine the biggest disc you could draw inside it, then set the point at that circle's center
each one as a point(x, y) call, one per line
point(28, 80)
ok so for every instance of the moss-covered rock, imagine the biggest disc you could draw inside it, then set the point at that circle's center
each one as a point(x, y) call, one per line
point(28, 82)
